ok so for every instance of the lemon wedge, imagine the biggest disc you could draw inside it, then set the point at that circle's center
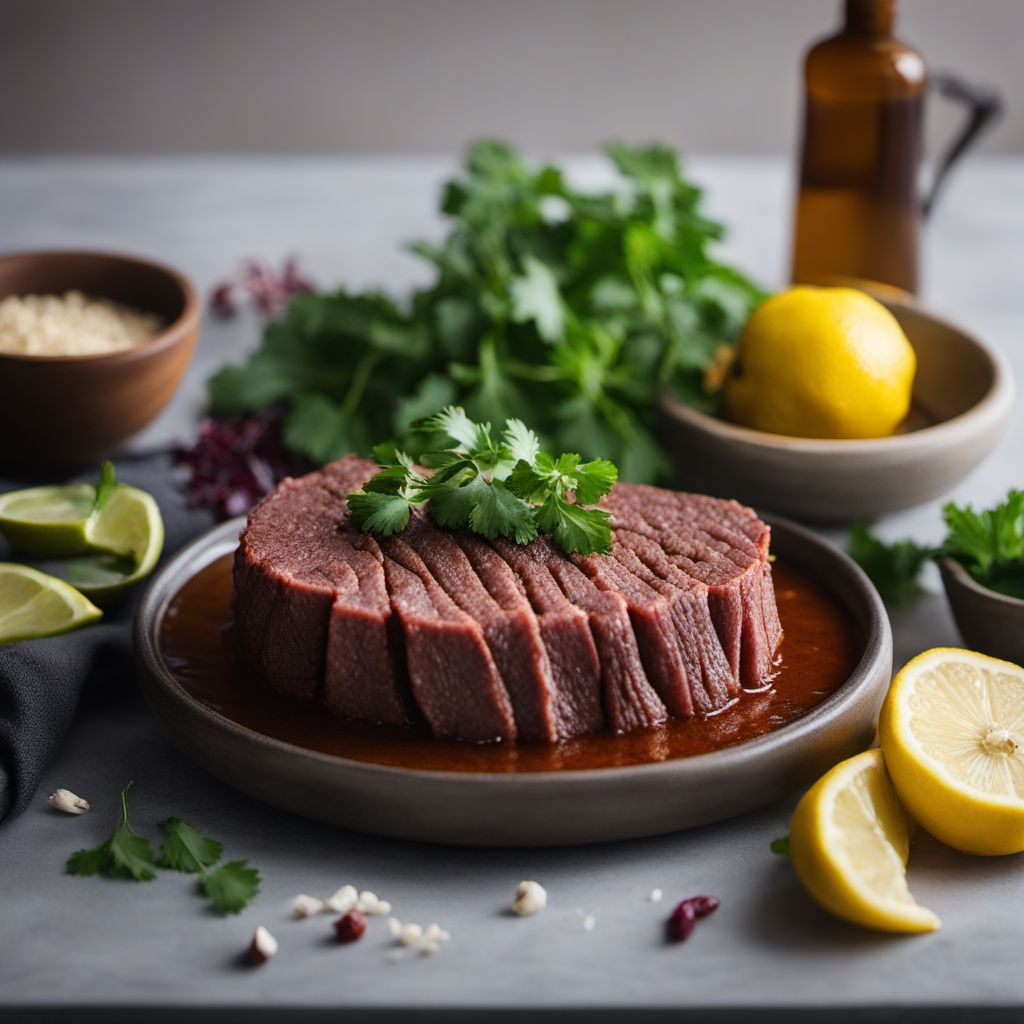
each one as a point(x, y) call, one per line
point(952, 729)
point(34, 605)
point(849, 843)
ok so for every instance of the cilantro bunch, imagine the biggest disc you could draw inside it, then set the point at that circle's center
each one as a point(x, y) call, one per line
point(503, 486)
point(989, 544)
point(566, 308)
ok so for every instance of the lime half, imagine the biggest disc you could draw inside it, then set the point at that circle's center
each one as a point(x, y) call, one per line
point(34, 605)
point(47, 522)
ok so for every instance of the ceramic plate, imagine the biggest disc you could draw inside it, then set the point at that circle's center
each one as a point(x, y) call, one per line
point(536, 808)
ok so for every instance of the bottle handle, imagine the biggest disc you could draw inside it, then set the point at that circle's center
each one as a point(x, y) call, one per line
point(984, 106)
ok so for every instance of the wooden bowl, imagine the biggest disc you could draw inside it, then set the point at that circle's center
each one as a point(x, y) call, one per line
point(989, 622)
point(963, 395)
point(68, 412)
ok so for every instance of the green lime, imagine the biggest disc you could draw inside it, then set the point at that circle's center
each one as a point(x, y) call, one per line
point(126, 537)
point(47, 522)
point(34, 605)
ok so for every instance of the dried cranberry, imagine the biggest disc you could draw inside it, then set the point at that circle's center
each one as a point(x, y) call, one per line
point(350, 927)
point(682, 920)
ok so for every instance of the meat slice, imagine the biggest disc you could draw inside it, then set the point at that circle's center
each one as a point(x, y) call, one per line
point(506, 620)
point(564, 630)
point(630, 702)
point(452, 674)
point(290, 563)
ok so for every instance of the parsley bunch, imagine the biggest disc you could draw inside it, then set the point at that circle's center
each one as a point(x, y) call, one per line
point(502, 486)
point(567, 308)
point(127, 855)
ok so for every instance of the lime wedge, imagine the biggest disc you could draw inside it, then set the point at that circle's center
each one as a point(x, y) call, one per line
point(127, 536)
point(47, 522)
point(34, 605)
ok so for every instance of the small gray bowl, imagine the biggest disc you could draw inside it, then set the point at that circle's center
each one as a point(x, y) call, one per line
point(528, 808)
point(989, 622)
point(963, 396)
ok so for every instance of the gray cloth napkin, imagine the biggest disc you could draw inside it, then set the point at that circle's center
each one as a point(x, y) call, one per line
point(42, 681)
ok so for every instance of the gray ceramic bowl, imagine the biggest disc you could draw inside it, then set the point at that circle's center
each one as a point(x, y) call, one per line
point(963, 395)
point(540, 808)
point(989, 622)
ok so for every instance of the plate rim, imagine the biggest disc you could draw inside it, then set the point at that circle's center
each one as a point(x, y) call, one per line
point(220, 539)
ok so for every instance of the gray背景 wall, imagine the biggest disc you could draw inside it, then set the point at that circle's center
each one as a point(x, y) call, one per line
point(426, 75)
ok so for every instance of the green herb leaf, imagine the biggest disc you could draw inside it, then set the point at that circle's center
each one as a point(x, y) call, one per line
point(123, 855)
point(104, 486)
point(232, 886)
point(535, 297)
point(895, 569)
point(576, 529)
point(780, 846)
point(384, 514)
point(186, 848)
point(989, 544)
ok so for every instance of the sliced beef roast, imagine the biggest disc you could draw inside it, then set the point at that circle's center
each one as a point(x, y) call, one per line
point(496, 641)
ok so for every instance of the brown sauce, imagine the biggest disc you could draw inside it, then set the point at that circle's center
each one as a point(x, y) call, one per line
point(819, 650)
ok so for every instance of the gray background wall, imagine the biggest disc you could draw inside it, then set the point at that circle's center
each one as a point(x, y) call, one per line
point(426, 75)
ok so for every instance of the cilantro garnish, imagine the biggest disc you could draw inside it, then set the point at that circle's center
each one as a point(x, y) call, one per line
point(104, 486)
point(124, 854)
point(128, 855)
point(497, 487)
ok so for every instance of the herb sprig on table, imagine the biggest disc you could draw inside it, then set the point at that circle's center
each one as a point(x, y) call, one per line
point(127, 855)
point(566, 308)
point(989, 544)
point(503, 486)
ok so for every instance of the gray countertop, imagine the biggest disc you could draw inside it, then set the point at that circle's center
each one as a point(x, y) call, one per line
point(111, 946)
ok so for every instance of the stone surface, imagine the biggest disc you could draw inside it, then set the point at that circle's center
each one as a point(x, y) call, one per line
point(91, 942)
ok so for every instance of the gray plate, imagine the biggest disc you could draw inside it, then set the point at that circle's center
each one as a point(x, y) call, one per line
point(538, 808)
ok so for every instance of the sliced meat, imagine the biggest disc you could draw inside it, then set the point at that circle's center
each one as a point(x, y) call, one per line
point(452, 675)
point(564, 630)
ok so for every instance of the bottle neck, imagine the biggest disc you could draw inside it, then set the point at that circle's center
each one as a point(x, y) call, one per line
point(870, 17)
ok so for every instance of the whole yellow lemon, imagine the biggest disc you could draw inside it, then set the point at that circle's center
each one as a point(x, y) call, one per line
point(821, 362)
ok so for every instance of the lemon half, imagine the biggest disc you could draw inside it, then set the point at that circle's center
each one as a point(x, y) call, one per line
point(849, 843)
point(952, 729)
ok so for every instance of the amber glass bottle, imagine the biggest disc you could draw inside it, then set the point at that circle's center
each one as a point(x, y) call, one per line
point(858, 211)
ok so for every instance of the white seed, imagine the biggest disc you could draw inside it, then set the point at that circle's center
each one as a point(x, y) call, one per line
point(306, 906)
point(410, 934)
point(367, 901)
point(589, 923)
point(262, 947)
point(66, 801)
point(531, 897)
point(656, 896)
point(342, 901)
point(432, 932)
point(429, 947)
point(394, 927)
point(379, 909)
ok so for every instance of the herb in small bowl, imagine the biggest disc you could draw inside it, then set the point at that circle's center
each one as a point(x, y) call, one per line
point(981, 561)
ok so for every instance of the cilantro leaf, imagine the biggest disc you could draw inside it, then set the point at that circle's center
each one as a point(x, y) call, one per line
point(104, 486)
point(454, 423)
point(522, 443)
point(594, 480)
point(123, 855)
point(384, 514)
point(780, 846)
point(535, 297)
point(576, 529)
point(499, 513)
point(895, 569)
point(232, 886)
point(186, 848)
